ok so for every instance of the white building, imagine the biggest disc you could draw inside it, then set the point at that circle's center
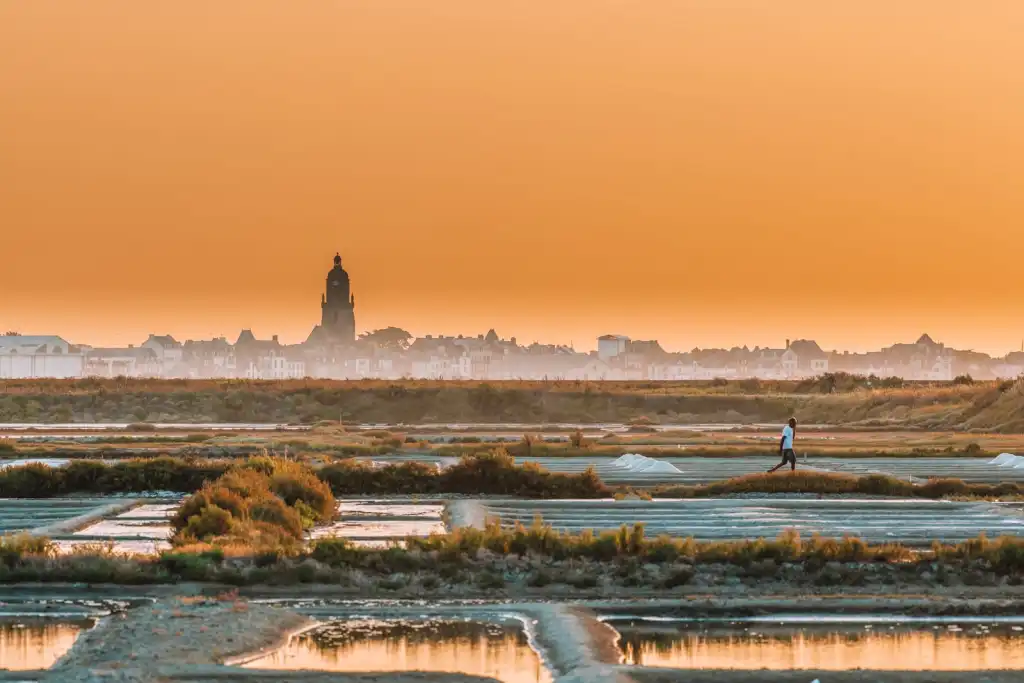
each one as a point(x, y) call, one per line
point(611, 345)
point(121, 362)
point(168, 351)
point(24, 357)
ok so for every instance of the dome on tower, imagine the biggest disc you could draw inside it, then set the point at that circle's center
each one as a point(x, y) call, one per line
point(337, 273)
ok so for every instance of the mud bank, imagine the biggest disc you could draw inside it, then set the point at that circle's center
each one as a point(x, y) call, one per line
point(196, 639)
point(187, 631)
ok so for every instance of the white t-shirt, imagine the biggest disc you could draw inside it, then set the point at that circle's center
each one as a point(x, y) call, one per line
point(787, 438)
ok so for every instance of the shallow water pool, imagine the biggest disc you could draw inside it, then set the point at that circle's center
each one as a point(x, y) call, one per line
point(36, 644)
point(884, 646)
point(500, 651)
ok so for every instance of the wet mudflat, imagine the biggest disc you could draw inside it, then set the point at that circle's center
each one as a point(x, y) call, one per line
point(501, 651)
point(27, 644)
point(784, 647)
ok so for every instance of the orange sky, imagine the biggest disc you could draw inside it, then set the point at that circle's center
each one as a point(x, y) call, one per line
point(700, 171)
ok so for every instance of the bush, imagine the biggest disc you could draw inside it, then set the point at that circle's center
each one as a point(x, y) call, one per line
point(14, 548)
point(33, 480)
point(211, 495)
point(488, 473)
point(211, 522)
point(335, 552)
point(297, 484)
point(274, 511)
point(187, 566)
point(882, 485)
point(940, 488)
point(265, 503)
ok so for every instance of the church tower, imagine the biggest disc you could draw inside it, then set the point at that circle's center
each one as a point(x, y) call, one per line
point(337, 306)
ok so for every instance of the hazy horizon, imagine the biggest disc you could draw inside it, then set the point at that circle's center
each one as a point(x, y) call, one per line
point(702, 173)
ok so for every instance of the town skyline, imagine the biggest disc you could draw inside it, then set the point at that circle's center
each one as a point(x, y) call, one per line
point(588, 345)
point(337, 299)
point(334, 350)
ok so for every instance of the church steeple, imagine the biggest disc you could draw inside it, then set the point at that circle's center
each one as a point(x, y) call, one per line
point(338, 305)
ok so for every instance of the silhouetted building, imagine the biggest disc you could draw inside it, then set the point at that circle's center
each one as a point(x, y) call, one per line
point(337, 309)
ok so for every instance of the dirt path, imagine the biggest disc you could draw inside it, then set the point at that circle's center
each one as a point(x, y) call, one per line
point(184, 631)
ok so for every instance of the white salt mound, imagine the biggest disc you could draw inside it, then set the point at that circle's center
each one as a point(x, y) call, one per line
point(634, 462)
point(1003, 459)
point(660, 467)
point(628, 460)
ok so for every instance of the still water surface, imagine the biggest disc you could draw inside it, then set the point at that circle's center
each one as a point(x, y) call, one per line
point(39, 644)
point(498, 651)
point(831, 648)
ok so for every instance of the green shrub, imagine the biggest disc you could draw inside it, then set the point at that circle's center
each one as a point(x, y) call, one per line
point(487, 473)
point(187, 566)
point(263, 504)
point(14, 548)
point(34, 480)
point(273, 510)
point(211, 522)
point(300, 485)
point(245, 482)
point(882, 485)
point(335, 552)
point(210, 495)
point(940, 488)
point(263, 464)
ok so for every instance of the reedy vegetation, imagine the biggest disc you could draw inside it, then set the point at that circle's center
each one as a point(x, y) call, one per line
point(836, 399)
point(532, 556)
point(491, 473)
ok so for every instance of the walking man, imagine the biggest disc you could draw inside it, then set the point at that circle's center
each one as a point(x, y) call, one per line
point(786, 446)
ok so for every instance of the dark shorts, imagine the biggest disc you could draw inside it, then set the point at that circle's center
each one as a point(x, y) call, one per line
point(788, 456)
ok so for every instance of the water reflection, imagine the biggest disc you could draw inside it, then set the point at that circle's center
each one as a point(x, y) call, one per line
point(474, 648)
point(881, 647)
point(26, 645)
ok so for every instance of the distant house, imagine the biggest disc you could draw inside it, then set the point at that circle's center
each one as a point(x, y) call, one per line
point(804, 358)
point(289, 363)
point(269, 359)
point(594, 369)
point(168, 352)
point(1011, 367)
point(611, 345)
point(122, 362)
point(26, 356)
point(209, 358)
